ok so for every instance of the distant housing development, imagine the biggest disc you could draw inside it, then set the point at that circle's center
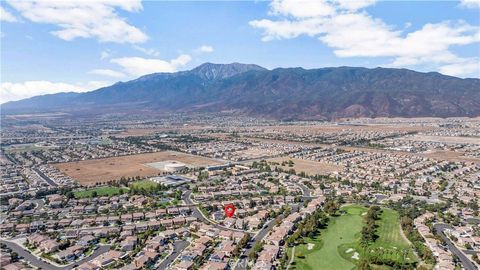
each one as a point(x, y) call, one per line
point(376, 192)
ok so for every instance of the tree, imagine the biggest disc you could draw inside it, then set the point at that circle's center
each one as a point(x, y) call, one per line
point(14, 256)
point(331, 207)
point(363, 264)
point(475, 258)
point(299, 254)
point(70, 195)
point(256, 249)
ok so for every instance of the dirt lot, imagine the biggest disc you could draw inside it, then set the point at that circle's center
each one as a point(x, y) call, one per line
point(149, 131)
point(89, 172)
point(308, 166)
point(451, 156)
point(331, 128)
point(445, 139)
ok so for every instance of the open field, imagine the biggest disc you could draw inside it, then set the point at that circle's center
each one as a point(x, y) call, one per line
point(28, 147)
point(89, 172)
point(101, 191)
point(334, 128)
point(308, 166)
point(337, 246)
point(450, 156)
point(150, 131)
point(438, 155)
point(325, 254)
point(37, 116)
point(444, 139)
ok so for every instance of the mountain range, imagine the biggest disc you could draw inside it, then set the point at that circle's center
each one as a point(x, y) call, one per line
point(282, 93)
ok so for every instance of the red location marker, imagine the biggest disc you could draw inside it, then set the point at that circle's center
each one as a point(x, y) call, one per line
point(229, 210)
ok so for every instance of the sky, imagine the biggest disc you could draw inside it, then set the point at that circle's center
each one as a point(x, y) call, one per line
point(61, 46)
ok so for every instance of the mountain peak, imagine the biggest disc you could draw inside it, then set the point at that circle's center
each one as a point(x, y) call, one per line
point(211, 71)
point(290, 93)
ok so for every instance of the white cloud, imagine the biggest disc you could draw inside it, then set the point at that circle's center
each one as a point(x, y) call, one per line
point(105, 54)
point(138, 66)
point(181, 60)
point(470, 3)
point(205, 49)
point(6, 16)
point(15, 91)
point(350, 31)
point(354, 4)
point(301, 8)
point(465, 68)
point(85, 19)
point(150, 52)
point(107, 72)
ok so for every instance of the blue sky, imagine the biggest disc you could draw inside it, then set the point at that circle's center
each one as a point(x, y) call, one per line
point(50, 47)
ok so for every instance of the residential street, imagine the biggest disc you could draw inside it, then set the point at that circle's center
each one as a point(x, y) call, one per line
point(242, 264)
point(196, 213)
point(44, 265)
point(467, 264)
point(179, 246)
point(45, 177)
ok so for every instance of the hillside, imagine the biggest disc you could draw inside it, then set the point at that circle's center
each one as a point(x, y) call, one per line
point(283, 93)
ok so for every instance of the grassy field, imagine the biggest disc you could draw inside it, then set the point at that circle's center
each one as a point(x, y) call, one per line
point(145, 184)
point(390, 241)
point(341, 230)
point(101, 191)
point(337, 246)
point(389, 231)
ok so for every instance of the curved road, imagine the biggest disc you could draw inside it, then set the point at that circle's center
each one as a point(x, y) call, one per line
point(178, 247)
point(196, 213)
point(242, 262)
point(467, 264)
point(25, 254)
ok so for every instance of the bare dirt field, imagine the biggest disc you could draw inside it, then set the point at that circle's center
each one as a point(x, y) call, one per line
point(150, 131)
point(331, 128)
point(308, 166)
point(89, 172)
point(445, 139)
point(450, 156)
point(438, 155)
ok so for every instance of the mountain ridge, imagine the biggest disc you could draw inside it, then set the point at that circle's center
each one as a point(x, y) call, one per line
point(281, 93)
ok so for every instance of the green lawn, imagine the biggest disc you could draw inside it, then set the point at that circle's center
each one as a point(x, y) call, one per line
point(101, 191)
point(341, 230)
point(145, 184)
point(390, 241)
point(389, 230)
point(337, 245)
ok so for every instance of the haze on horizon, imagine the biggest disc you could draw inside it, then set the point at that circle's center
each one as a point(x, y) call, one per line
point(50, 47)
